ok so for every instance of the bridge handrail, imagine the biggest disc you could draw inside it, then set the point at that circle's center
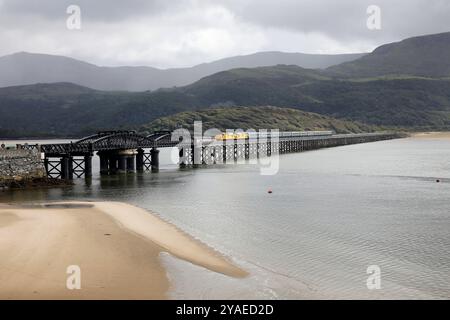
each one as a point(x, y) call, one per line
point(102, 134)
point(66, 148)
point(137, 141)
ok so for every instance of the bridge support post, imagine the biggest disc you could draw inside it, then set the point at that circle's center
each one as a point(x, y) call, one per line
point(205, 155)
point(258, 146)
point(197, 155)
point(64, 168)
point(70, 164)
point(182, 156)
point(216, 155)
point(46, 167)
point(122, 163)
point(131, 164)
point(224, 153)
point(154, 153)
point(247, 148)
point(140, 160)
point(88, 166)
point(112, 160)
point(103, 163)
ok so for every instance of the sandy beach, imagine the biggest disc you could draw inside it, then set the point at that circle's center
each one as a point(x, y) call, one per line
point(116, 246)
point(432, 135)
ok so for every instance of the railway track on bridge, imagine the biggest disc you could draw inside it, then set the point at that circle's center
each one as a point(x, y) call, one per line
point(127, 151)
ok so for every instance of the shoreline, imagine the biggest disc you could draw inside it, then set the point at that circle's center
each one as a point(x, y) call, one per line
point(116, 245)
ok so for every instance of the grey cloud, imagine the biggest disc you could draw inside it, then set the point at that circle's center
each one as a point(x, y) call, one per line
point(184, 32)
point(98, 10)
point(346, 19)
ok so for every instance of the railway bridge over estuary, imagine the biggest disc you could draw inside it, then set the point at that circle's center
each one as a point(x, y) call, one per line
point(122, 152)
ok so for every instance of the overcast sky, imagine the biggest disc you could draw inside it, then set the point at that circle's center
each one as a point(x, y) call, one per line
point(172, 33)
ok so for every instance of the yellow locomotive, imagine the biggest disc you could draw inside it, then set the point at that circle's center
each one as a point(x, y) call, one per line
point(232, 136)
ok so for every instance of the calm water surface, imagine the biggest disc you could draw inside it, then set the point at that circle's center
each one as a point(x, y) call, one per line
point(333, 213)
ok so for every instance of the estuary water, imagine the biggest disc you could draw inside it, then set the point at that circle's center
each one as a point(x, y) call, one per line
point(332, 214)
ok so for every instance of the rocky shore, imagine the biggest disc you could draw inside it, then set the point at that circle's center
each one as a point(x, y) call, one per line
point(33, 183)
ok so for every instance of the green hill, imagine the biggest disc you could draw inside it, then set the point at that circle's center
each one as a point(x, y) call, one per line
point(414, 103)
point(65, 109)
point(425, 56)
point(245, 118)
point(279, 85)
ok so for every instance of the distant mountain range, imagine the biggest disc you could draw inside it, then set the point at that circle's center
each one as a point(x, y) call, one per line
point(31, 68)
point(376, 89)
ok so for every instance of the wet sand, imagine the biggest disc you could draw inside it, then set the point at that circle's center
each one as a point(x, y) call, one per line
point(116, 246)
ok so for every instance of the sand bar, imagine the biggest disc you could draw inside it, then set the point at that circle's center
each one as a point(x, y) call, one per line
point(116, 245)
point(432, 135)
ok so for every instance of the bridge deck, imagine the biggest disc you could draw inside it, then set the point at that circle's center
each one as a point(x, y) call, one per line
point(124, 140)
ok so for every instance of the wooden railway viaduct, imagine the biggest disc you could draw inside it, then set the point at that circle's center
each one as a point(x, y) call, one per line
point(122, 152)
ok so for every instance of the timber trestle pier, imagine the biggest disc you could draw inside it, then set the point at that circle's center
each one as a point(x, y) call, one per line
point(122, 152)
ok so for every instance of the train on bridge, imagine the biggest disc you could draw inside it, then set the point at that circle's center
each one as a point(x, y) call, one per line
point(270, 134)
